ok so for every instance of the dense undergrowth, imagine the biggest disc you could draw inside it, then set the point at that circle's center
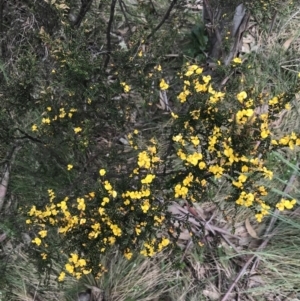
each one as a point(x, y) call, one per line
point(103, 141)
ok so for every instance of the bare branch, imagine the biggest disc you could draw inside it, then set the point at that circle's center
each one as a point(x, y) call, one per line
point(166, 16)
point(108, 40)
point(122, 5)
point(85, 6)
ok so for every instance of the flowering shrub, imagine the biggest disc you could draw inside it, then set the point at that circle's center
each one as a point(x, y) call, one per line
point(220, 136)
point(227, 136)
point(101, 194)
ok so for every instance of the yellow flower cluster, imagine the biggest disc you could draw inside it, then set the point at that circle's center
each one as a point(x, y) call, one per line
point(61, 114)
point(217, 138)
point(163, 85)
point(229, 150)
point(245, 199)
point(264, 210)
point(192, 83)
point(126, 87)
point(286, 204)
point(150, 249)
point(76, 266)
point(289, 140)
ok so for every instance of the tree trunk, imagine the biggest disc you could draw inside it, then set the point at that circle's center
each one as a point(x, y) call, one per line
point(225, 21)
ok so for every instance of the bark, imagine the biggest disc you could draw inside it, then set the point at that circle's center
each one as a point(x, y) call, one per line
point(225, 21)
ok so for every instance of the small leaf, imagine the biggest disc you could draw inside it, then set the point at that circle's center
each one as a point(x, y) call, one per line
point(287, 43)
point(250, 229)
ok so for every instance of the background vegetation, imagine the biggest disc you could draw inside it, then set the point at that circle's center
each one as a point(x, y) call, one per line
point(149, 150)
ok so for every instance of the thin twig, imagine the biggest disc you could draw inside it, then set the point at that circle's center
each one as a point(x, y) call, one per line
point(108, 40)
point(121, 3)
point(85, 6)
point(128, 11)
point(243, 270)
point(188, 246)
point(166, 16)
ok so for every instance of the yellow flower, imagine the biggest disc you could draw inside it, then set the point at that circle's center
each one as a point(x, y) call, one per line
point(69, 268)
point(69, 166)
point(206, 79)
point(43, 233)
point(242, 178)
point(267, 173)
point(175, 116)
point(107, 185)
point(202, 165)
point(177, 138)
point(116, 230)
point(195, 140)
point(148, 179)
point(199, 70)
point(102, 172)
point(237, 60)
point(81, 263)
point(86, 272)
point(163, 85)
point(182, 96)
point(113, 193)
point(194, 158)
point(37, 241)
point(128, 254)
point(165, 242)
point(181, 191)
point(188, 179)
point(216, 170)
point(200, 87)
point(81, 204)
point(245, 168)
point(241, 96)
point(105, 200)
point(77, 130)
point(285, 204)
point(158, 67)
point(237, 184)
point(144, 160)
point(191, 70)
point(62, 276)
point(259, 217)
point(34, 128)
point(145, 206)
point(287, 106)
point(127, 202)
point(46, 120)
point(289, 204)
point(159, 219)
point(284, 140)
point(101, 211)
point(273, 101)
point(44, 256)
point(126, 87)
